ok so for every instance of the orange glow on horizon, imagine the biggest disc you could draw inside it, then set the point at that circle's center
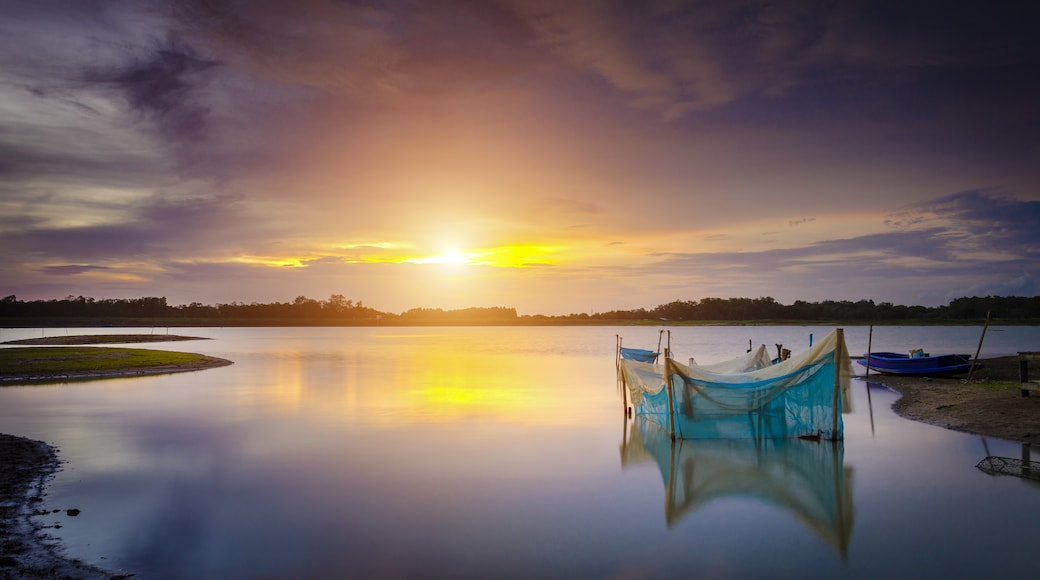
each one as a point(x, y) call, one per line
point(508, 256)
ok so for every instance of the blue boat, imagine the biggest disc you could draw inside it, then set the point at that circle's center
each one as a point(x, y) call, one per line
point(639, 354)
point(924, 365)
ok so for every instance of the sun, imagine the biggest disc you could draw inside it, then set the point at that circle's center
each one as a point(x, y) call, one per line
point(449, 257)
point(452, 257)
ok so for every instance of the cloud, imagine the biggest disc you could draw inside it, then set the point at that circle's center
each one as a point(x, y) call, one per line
point(990, 220)
point(72, 269)
point(154, 229)
point(936, 251)
point(163, 86)
point(202, 132)
point(1022, 285)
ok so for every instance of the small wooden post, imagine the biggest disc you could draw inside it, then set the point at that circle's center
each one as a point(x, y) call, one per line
point(1023, 374)
point(1024, 358)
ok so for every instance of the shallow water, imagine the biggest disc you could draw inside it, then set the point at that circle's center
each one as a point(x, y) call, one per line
point(476, 452)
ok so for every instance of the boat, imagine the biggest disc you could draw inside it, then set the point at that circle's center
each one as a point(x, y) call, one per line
point(917, 365)
point(639, 354)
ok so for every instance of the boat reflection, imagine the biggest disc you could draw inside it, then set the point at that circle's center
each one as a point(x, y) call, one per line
point(807, 478)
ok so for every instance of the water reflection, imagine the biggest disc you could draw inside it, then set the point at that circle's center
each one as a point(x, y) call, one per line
point(868, 385)
point(1023, 466)
point(807, 478)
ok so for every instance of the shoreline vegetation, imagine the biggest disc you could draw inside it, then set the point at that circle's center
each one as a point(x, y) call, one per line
point(340, 311)
point(50, 364)
point(991, 405)
point(81, 339)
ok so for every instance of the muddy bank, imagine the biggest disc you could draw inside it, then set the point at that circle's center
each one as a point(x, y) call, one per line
point(26, 551)
point(991, 405)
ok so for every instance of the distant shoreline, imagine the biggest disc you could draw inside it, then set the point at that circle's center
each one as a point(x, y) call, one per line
point(101, 339)
point(10, 323)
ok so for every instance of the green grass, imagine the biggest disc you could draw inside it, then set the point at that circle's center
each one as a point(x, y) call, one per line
point(32, 361)
point(1000, 385)
point(85, 339)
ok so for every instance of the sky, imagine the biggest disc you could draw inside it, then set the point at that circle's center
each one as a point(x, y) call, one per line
point(555, 157)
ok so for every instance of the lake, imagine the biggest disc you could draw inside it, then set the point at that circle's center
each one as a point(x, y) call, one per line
point(503, 452)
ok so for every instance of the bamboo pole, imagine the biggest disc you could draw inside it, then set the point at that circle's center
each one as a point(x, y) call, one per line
point(870, 407)
point(668, 387)
point(979, 349)
point(669, 492)
point(870, 340)
point(622, 383)
point(870, 403)
point(839, 356)
point(624, 395)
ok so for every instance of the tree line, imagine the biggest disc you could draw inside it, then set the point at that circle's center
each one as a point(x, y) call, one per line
point(1006, 308)
point(339, 310)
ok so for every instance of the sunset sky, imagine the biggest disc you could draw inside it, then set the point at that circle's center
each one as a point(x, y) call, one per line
point(552, 156)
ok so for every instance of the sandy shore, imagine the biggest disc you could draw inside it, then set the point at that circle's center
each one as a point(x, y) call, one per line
point(991, 405)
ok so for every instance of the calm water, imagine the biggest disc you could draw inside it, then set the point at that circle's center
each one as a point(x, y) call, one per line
point(502, 452)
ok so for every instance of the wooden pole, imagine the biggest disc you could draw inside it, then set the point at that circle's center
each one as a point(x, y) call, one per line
point(974, 361)
point(839, 356)
point(668, 386)
point(870, 407)
point(870, 340)
point(622, 383)
point(624, 395)
point(669, 492)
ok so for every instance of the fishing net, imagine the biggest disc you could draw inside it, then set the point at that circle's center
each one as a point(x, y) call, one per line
point(994, 465)
point(803, 396)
